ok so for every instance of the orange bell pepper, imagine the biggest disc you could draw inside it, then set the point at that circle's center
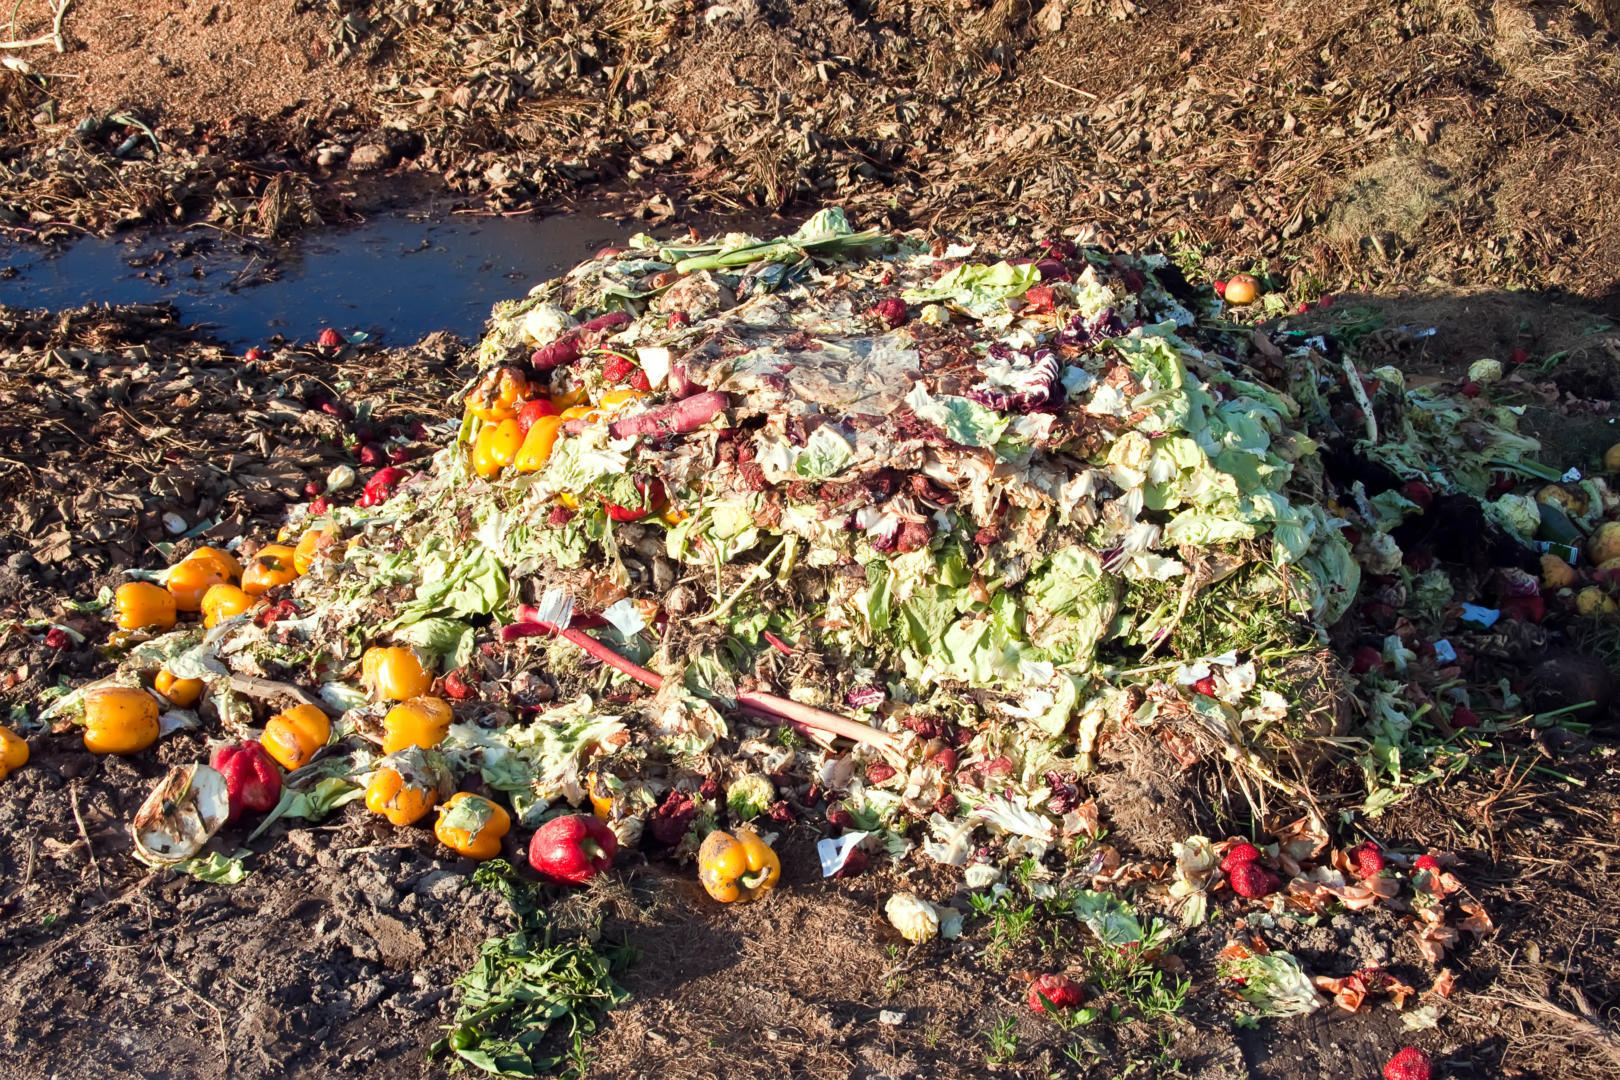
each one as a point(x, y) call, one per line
point(140, 605)
point(393, 673)
point(408, 784)
point(421, 721)
point(183, 692)
point(292, 737)
point(223, 602)
point(119, 720)
point(473, 826)
point(13, 752)
point(737, 867)
point(274, 565)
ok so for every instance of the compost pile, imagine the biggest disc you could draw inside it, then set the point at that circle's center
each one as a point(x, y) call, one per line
point(899, 537)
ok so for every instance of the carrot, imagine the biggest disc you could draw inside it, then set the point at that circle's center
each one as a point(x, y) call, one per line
point(677, 418)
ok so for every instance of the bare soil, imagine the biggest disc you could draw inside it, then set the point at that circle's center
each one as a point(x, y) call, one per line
point(1341, 146)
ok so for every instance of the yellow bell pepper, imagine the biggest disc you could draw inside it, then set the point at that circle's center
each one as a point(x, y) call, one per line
point(393, 674)
point(140, 605)
point(227, 563)
point(500, 395)
point(292, 737)
point(316, 543)
point(190, 579)
point(615, 401)
point(496, 447)
point(473, 826)
point(421, 721)
point(274, 565)
point(737, 867)
point(119, 720)
point(13, 752)
point(183, 692)
point(538, 444)
point(408, 784)
point(223, 602)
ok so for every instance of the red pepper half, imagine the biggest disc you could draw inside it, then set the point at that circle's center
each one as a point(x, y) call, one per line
point(572, 850)
point(252, 780)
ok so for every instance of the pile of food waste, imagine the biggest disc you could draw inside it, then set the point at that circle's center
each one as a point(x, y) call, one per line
point(895, 538)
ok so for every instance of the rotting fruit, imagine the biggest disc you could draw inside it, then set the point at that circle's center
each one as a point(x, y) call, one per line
point(293, 737)
point(119, 720)
point(252, 780)
point(737, 866)
point(407, 784)
point(496, 447)
point(190, 579)
point(223, 602)
point(393, 673)
point(140, 605)
point(1242, 289)
point(420, 721)
point(274, 565)
point(183, 692)
point(472, 826)
point(13, 752)
point(221, 558)
point(538, 444)
point(571, 850)
point(316, 543)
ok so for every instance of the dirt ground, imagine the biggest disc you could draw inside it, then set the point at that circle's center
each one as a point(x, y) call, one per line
point(1357, 145)
point(1431, 163)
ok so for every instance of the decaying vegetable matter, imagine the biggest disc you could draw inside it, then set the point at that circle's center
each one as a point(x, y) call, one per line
point(902, 538)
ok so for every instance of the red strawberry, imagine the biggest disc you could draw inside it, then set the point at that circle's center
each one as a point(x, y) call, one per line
point(370, 454)
point(319, 506)
point(879, 771)
point(1409, 1063)
point(57, 638)
point(1368, 859)
point(533, 411)
point(313, 488)
point(639, 381)
point(946, 804)
point(253, 355)
point(1427, 863)
point(1464, 717)
point(1219, 287)
point(946, 760)
point(1206, 686)
point(1365, 659)
point(1059, 991)
point(616, 368)
point(330, 339)
point(1304, 306)
point(1251, 880)
point(839, 817)
point(1241, 853)
point(559, 516)
point(891, 311)
point(679, 318)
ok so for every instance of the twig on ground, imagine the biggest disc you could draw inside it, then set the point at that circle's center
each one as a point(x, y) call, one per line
point(84, 834)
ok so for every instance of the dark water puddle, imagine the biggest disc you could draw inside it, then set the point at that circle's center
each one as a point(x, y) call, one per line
point(395, 277)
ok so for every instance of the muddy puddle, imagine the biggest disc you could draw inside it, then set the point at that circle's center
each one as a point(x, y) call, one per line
point(396, 278)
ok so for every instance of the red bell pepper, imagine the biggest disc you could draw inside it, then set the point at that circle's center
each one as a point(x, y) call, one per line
point(252, 781)
point(571, 850)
